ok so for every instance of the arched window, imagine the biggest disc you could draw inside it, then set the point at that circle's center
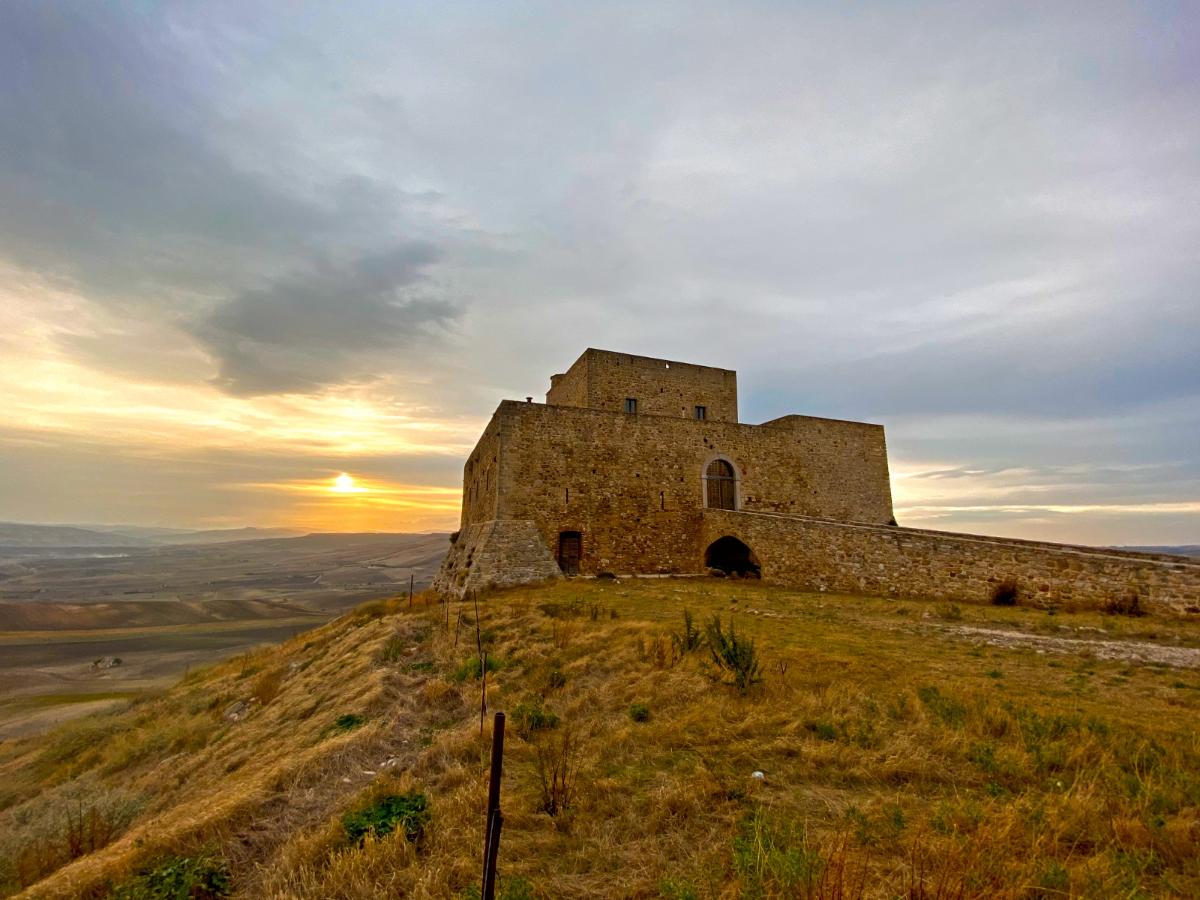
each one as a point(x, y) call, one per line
point(719, 485)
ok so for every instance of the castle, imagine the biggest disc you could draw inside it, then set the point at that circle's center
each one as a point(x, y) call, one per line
point(639, 466)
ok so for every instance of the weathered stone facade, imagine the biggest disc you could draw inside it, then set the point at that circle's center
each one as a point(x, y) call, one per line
point(583, 484)
point(853, 558)
point(495, 554)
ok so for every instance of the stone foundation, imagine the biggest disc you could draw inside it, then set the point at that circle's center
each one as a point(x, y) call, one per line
point(822, 555)
point(495, 554)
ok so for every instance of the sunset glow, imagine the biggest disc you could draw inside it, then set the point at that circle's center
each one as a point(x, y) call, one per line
point(345, 484)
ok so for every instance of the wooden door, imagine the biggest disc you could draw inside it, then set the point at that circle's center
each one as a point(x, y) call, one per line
point(720, 485)
point(570, 548)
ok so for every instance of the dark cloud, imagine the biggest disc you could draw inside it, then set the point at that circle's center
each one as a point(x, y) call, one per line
point(328, 325)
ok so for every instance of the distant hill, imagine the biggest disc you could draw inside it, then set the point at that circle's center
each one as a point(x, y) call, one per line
point(194, 536)
point(1178, 550)
point(15, 534)
point(21, 535)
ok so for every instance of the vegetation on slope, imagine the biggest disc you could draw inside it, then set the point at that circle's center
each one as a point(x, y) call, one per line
point(826, 746)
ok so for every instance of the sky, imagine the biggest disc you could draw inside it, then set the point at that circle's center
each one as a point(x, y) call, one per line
point(246, 247)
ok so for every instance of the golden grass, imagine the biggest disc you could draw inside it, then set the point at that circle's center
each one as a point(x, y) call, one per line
point(899, 758)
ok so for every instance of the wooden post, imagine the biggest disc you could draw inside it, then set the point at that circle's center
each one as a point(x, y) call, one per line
point(410, 589)
point(494, 820)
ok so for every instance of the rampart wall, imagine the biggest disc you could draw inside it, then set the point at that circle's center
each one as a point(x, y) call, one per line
point(822, 555)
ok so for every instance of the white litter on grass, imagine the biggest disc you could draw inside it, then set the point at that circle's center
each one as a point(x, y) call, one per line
point(758, 775)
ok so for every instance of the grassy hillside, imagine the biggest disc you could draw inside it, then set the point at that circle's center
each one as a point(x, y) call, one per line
point(906, 749)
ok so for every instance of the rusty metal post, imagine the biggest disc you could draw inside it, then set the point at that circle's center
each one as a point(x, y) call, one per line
point(494, 820)
point(489, 866)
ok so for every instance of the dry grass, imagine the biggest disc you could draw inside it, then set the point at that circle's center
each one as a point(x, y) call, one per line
point(896, 761)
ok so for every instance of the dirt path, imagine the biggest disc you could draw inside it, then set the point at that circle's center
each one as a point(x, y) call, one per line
point(1141, 652)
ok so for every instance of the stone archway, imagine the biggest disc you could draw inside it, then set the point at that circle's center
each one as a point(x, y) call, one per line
point(732, 557)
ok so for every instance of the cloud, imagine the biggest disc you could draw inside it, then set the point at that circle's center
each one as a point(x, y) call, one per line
point(330, 325)
point(972, 224)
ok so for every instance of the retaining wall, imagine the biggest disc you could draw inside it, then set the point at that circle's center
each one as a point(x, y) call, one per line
point(819, 554)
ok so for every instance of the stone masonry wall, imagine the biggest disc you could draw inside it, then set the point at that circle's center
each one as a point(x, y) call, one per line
point(633, 486)
point(601, 379)
point(889, 561)
point(495, 555)
point(570, 388)
point(481, 477)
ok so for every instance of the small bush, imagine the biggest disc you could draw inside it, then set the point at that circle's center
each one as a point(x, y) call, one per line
point(556, 770)
point(471, 668)
point(733, 654)
point(1005, 593)
point(691, 638)
point(822, 730)
point(530, 715)
point(1128, 604)
point(454, 537)
point(949, 710)
point(639, 712)
point(376, 609)
point(178, 878)
point(393, 649)
point(347, 722)
point(568, 609)
point(60, 825)
point(556, 680)
point(408, 811)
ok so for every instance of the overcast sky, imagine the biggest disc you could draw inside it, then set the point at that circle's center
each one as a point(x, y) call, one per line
point(245, 247)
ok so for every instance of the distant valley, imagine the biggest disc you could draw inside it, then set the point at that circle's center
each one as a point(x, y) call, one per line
point(159, 603)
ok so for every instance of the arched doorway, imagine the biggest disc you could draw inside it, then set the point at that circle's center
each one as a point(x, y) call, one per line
point(720, 485)
point(732, 557)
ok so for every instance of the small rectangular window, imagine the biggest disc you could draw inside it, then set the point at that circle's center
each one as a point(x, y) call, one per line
point(701, 413)
point(630, 405)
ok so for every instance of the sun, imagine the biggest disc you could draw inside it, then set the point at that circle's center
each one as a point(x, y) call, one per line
point(345, 484)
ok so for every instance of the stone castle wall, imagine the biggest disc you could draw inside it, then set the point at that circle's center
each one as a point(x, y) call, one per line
point(633, 485)
point(904, 562)
point(481, 477)
point(495, 554)
point(603, 380)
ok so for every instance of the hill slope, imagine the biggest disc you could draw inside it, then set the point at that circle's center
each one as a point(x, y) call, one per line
point(906, 749)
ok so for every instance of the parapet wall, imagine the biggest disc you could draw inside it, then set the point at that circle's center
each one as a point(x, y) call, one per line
point(817, 554)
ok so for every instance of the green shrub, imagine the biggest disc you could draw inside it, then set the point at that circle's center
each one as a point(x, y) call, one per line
point(178, 878)
point(822, 730)
point(472, 669)
point(409, 811)
point(530, 715)
point(639, 712)
point(690, 638)
point(567, 609)
point(347, 722)
point(393, 649)
point(950, 711)
point(733, 654)
point(777, 859)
